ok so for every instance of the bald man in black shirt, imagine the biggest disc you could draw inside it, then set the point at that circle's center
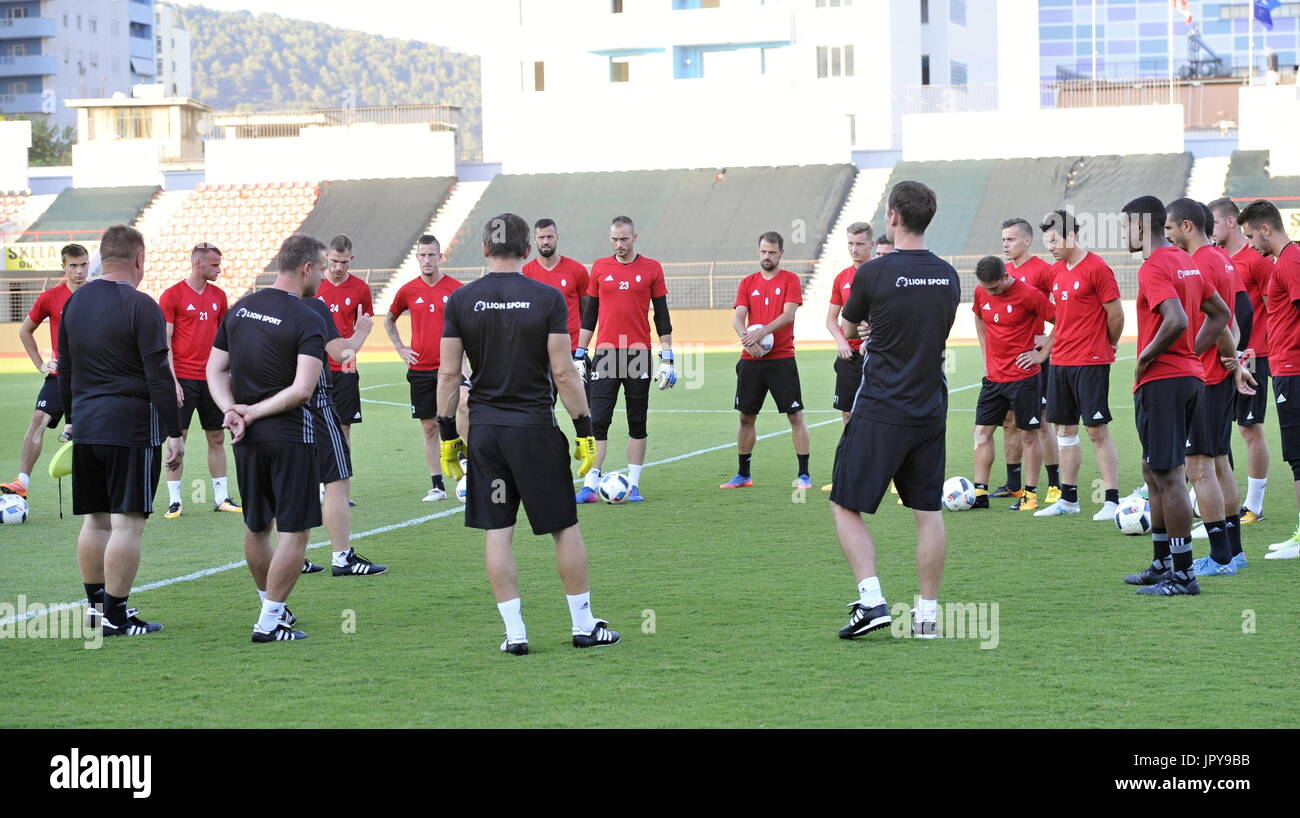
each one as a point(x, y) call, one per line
point(515, 332)
point(120, 397)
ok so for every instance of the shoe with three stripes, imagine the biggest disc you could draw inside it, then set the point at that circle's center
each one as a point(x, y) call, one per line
point(309, 567)
point(282, 633)
point(135, 626)
point(1174, 585)
point(601, 636)
point(1153, 574)
point(864, 620)
point(358, 566)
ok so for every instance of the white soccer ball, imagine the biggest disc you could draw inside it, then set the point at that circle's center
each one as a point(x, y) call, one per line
point(13, 509)
point(614, 488)
point(462, 488)
point(1133, 517)
point(958, 494)
point(766, 343)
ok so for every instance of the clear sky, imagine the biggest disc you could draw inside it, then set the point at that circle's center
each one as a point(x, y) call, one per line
point(455, 24)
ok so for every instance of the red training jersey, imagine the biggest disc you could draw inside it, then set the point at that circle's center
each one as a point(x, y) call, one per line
point(1010, 322)
point(1283, 316)
point(195, 318)
point(1036, 273)
point(839, 294)
point(1254, 271)
point(625, 291)
point(344, 300)
point(1081, 335)
point(49, 304)
point(1171, 273)
point(765, 298)
point(426, 304)
point(1217, 273)
point(569, 277)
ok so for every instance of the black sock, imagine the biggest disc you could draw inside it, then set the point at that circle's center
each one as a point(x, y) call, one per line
point(1234, 533)
point(1054, 475)
point(1069, 493)
point(1181, 550)
point(1218, 533)
point(1112, 496)
point(94, 593)
point(1031, 489)
point(437, 481)
point(1160, 557)
point(115, 609)
point(1013, 476)
point(744, 464)
point(982, 486)
point(803, 462)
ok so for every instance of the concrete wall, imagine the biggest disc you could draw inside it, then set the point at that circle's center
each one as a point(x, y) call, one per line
point(15, 139)
point(1270, 120)
point(117, 164)
point(356, 152)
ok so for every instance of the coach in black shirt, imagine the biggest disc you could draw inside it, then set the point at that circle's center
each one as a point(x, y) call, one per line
point(515, 332)
point(898, 427)
point(120, 397)
point(264, 367)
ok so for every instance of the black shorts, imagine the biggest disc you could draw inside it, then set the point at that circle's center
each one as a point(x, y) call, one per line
point(1079, 391)
point(332, 450)
point(50, 401)
point(1021, 397)
point(1210, 434)
point(1044, 377)
point(755, 379)
point(872, 453)
point(279, 482)
point(612, 369)
point(1287, 389)
point(345, 390)
point(424, 393)
point(114, 479)
point(513, 464)
point(1251, 409)
point(198, 397)
point(1165, 412)
point(848, 378)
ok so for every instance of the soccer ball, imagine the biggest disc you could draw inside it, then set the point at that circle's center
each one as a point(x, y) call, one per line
point(958, 494)
point(614, 488)
point(1133, 517)
point(462, 488)
point(766, 343)
point(13, 509)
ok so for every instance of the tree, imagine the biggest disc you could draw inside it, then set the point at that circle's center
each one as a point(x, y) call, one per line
point(50, 144)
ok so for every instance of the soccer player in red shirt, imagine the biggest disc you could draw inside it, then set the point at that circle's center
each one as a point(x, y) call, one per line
point(1089, 323)
point(1017, 239)
point(1179, 317)
point(348, 298)
point(1009, 314)
point(767, 301)
point(1253, 270)
point(1262, 224)
point(566, 275)
point(49, 404)
point(625, 285)
point(848, 360)
point(426, 297)
point(1209, 440)
point(194, 309)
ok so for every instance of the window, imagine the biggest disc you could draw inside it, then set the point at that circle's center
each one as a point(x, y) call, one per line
point(16, 50)
point(834, 61)
point(957, 12)
point(958, 73)
point(15, 12)
point(92, 24)
point(925, 11)
point(925, 69)
point(539, 76)
point(134, 123)
point(618, 71)
point(78, 22)
point(18, 87)
point(65, 19)
point(1241, 11)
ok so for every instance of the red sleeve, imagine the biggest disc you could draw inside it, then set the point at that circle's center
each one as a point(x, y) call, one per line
point(367, 301)
point(794, 291)
point(1158, 285)
point(399, 303)
point(1044, 307)
point(975, 304)
point(168, 304)
point(222, 307)
point(593, 284)
point(1290, 273)
point(657, 285)
point(1104, 283)
point(742, 299)
point(40, 310)
point(584, 279)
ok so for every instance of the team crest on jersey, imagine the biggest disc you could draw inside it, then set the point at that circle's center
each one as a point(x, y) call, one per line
point(444, 299)
point(214, 306)
point(347, 302)
point(1008, 309)
point(638, 279)
point(564, 282)
point(1076, 285)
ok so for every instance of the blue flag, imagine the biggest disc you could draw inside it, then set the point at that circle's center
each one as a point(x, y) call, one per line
point(1264, 12)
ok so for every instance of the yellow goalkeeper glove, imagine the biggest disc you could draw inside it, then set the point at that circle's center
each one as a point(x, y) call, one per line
point(584, 445)
point(452, 448)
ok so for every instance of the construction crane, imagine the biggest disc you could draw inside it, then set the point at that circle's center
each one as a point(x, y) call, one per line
point(1201, 59)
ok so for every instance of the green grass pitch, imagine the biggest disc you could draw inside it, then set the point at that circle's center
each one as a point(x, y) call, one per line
point(729, 602)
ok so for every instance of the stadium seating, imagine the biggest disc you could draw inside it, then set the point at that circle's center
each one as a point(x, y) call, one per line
point(83, 213)
point(248, 222)
point(1249, 178)
point(11, 204)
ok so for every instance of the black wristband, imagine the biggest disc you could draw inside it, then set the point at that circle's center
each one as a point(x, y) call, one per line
point(582, 426)
point(447, 428)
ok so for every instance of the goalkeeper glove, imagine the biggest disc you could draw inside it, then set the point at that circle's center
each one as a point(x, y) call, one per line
point(452, 450)
point(667, 372)
point(584, 445)
point(580, 362)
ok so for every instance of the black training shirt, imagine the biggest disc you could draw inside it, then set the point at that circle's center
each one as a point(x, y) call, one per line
point(910, 299)
point(503, 319)
point(114, 377)
point(264, 334)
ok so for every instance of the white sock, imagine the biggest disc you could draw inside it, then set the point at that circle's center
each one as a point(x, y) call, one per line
point(1255, 494)
point(869, 593)
point(634, 473)
point(927, 610)
point(24, 479)
point(270, 618)
point(340, 559)
point(174, 490)
point(261, 595)
point(219, 491)
point(593, 479)
point(580, 611)
point(510, 614)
